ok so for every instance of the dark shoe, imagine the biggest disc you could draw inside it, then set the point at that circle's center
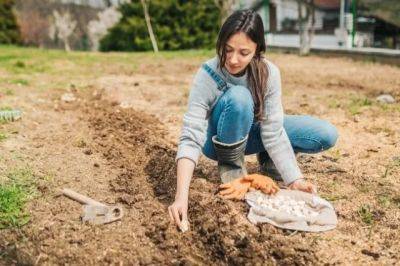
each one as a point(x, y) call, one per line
point(267, 166)
point(231, 163)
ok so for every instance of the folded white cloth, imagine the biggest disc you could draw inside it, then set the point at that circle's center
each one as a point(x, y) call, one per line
point(291, 209)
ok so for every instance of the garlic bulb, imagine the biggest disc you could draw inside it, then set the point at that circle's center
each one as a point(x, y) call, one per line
point(285, 204)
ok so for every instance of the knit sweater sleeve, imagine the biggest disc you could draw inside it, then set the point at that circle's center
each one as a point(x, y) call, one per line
point(273, 134)
point(203, 93)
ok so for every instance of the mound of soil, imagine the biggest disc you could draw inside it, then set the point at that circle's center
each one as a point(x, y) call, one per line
point(220, 233)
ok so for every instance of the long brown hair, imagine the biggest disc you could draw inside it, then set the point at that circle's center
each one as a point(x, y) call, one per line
point(250, 23)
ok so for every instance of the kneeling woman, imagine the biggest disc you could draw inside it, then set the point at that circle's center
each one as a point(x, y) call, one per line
point(235, 109)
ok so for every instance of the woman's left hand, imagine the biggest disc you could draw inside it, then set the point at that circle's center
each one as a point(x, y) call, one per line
point(235, 189)
point(303, 185)
point(263, 183)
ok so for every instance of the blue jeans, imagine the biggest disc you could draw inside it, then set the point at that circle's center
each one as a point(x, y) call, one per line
point(232, 120)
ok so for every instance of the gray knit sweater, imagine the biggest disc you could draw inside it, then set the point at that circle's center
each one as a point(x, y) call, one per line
point(203, 96)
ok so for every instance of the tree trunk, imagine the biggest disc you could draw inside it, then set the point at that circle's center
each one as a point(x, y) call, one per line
point(310, 24)
point(225, 8)
point(306, 25)
point(66, 45)
point(302, 30)
point(149, 28)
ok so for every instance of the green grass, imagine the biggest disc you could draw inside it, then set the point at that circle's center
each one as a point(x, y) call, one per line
point(20, 64)
point(18, 187)
point(3, 136)
point(6, 57)
point(21, 67)
point(366, 214)
point(5, 108)
point(330, 197)
point(384, 200)
point(335, 154)
point(334, 103)
point(24, 57)
point(391, 166)
point(22, 82)
point(12, 201)
point(333, 185)
point(357, 105)
point(364, 188)
point(7, 91)
point(25, 66)
point(394, 107)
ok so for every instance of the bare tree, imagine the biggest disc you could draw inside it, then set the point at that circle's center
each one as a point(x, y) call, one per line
point(226, 7)
point(97, 29)
point(306, 20)
point(149, 28)
point(62, 28)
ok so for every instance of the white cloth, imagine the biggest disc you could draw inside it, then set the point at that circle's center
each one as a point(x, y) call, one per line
point(291, 209)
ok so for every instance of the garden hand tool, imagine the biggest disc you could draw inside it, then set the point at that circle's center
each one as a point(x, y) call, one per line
point(93, 211)
point(235, 189)
point(263, 183)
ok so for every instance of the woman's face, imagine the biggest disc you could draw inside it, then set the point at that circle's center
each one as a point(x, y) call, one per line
point(239, 50)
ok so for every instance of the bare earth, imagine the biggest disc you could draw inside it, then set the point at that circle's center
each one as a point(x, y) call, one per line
point(126, 156)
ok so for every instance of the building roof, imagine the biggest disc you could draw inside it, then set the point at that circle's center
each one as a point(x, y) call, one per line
point(327, 4)
point(320, 4)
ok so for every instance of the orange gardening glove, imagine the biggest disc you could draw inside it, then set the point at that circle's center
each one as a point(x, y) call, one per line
point(263, 183)
point(235, 189)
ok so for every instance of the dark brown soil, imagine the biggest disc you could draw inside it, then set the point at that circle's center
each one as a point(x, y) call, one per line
point(134, 142)
point(126, 156)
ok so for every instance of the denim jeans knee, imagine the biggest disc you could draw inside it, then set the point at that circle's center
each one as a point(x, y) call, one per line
point(240, 99)
point(231, 118)
point(329, 135)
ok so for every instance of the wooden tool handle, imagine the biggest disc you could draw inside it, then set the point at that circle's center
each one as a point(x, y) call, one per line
point(80, 198)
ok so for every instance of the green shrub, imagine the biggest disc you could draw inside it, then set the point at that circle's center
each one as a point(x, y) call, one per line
point(177, 24)
point(9, 32)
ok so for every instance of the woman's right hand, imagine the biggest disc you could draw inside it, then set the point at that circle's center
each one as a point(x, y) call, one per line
point(303, 185)
point(178, 211)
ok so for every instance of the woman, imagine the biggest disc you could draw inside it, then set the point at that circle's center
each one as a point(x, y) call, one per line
point(235, 109)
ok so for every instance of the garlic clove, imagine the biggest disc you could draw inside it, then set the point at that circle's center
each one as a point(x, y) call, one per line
point(184, 226)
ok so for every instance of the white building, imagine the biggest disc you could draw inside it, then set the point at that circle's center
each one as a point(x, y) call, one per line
point(281, 22)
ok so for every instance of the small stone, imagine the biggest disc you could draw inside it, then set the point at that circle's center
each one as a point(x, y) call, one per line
point(385, 98)
point(97, 95)
point(125, 105)
point(375, 255)
point(114, 102)
point(87, 151)
point(96, 165)
point(68, 97)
